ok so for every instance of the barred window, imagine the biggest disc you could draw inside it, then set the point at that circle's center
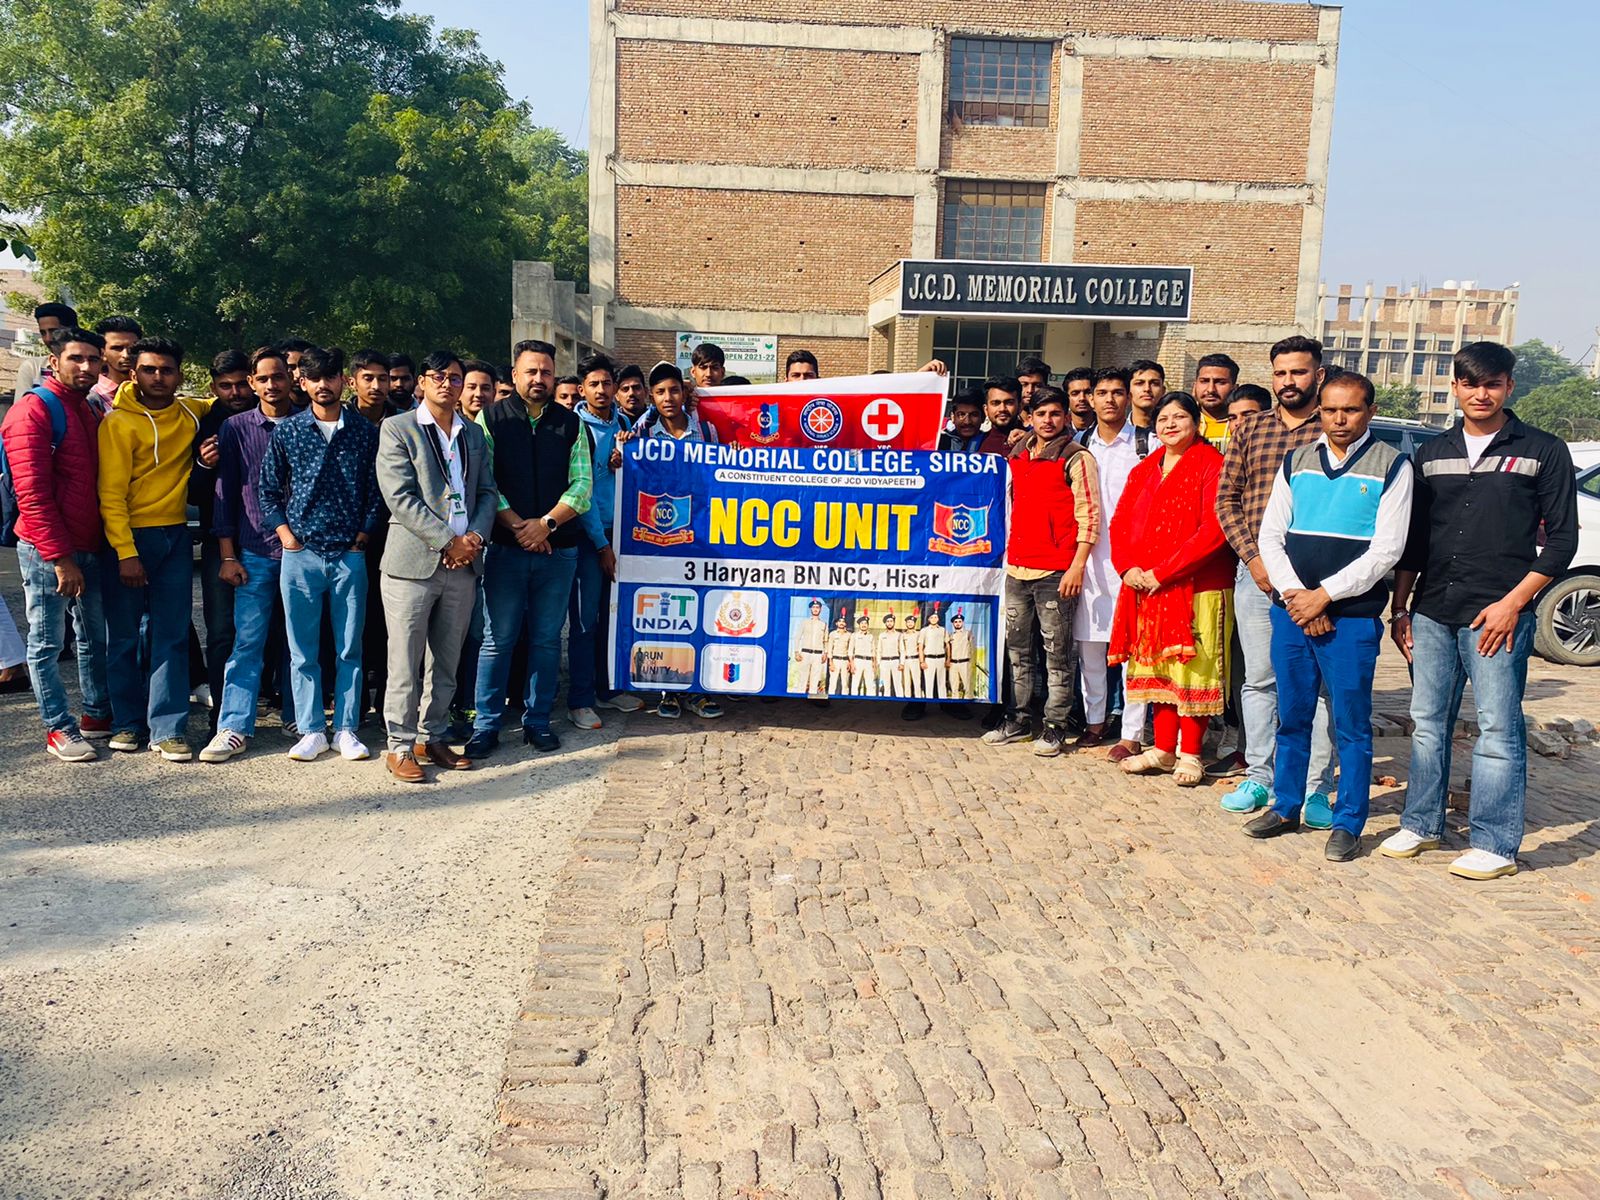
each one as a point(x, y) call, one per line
point(976, 350)
point(1000, 82)
point(1000, 222)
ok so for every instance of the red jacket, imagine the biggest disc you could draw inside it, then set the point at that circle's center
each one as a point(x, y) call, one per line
point(58, 505)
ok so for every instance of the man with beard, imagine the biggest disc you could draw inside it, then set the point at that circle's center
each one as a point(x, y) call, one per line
point(1255, 457)
point(1079, 386)
point(633, 398)
point(1002, 404)
point(1033, 373)
point(1214, 381)
point(402, 382)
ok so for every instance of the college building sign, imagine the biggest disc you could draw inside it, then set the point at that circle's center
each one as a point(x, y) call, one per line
point(1084, 291)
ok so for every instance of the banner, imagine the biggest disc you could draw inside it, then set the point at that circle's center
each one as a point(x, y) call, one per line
point(857, 413)
point(767, 571)
point(753, 355)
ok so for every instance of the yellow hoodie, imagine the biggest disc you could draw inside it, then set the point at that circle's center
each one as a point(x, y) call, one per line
point(145, 459)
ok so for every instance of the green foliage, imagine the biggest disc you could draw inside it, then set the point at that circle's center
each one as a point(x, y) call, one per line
point(1399, 400)
point(235, 170)
point(1539, 365)
point(14, 239)
point(1569, 409)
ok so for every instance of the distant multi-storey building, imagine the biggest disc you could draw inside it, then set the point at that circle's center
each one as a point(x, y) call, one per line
point(1410, 337)
point(883, 183)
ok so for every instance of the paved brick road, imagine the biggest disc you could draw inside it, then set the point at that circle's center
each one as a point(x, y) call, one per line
point(804, 954)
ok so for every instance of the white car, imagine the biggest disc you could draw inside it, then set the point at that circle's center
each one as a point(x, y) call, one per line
point(1567, 628)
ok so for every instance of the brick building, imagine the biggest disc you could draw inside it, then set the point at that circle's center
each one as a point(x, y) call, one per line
point(1410, 337)
point(765, 170)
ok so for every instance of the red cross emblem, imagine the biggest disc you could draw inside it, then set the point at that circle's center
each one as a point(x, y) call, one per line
point(883, 420)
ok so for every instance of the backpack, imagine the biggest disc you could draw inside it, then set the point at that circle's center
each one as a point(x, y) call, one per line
point(8, 492)
point(1141, 439)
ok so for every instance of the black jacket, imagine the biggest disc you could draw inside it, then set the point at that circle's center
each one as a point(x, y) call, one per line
point(1475, 530)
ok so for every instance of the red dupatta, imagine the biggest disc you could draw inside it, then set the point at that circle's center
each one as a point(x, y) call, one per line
point(1155, 515)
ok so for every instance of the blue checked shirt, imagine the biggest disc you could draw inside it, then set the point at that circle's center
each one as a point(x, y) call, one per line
point(325, 491)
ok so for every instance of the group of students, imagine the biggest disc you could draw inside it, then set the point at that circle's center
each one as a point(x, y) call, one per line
point(366, 528)
point(1173, 554)
point(1198, 537)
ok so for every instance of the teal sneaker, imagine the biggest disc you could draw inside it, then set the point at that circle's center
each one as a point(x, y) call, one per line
point(1247, 797)
point(1318, 811)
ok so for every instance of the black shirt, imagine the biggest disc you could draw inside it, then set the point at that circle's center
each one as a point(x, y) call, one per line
point(1475, 529)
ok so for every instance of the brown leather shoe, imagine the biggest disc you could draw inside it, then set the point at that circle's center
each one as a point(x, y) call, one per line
point(404, 767)
point(440, 755)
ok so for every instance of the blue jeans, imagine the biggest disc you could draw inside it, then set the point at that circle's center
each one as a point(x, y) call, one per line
point(583, 628)
point(522, 588)
point(1444, 657)
point(156, 701)
point(253, 604)
point(47, 632)
point(309, 583)
point(1258, 698)
point(1343, 663)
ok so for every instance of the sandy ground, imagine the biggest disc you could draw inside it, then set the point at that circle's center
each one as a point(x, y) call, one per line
point(264, 979)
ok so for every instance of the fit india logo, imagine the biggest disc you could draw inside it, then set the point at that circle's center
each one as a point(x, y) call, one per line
point(960, 530)
point(665, 610)
point(664, 520)
point(821, 420)
point(768, 425)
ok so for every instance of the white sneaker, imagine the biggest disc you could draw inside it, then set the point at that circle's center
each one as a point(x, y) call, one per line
point(224, 746)
point(622, 702)
point(309, 747)
point(584, 718)
point(1482, 864)
point(350, 747)
point(1405, 844)
point(201, 695)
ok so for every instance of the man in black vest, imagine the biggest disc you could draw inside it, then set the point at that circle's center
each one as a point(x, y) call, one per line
point(545, 477)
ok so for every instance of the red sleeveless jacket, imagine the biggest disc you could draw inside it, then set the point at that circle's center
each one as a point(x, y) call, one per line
point(1044, 521)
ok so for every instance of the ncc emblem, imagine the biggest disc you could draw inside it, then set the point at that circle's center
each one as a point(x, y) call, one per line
point(960, 530)
point(767, 425)
point(663, 520)
point(821, 420)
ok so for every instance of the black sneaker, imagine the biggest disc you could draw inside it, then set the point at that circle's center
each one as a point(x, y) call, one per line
point(1051, 742)
point(1012, 729)
point(481, 745)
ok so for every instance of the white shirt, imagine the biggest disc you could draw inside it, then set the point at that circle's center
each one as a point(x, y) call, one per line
point(457, 500)
point(1477, 443)
point(329, 428)
point(1115, 461)
point(1376, 561)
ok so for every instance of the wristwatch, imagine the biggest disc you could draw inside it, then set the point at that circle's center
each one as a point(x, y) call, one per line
point(551, 523)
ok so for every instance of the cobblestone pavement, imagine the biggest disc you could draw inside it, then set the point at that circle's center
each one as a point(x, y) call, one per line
point(814, 954)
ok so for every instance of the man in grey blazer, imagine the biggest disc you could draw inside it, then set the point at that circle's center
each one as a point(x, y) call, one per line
point(435, 476)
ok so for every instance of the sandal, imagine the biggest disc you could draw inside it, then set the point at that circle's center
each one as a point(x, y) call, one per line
point(1190, 771)
point(1149, 763)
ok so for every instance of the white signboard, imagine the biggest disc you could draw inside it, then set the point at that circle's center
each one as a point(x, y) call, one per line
point(753, 355)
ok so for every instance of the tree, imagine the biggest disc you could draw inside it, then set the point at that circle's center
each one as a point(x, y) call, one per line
point(1539, 365)
point(234, 170)
point(1569, 409)
point(553, 206)
point(1399, 400)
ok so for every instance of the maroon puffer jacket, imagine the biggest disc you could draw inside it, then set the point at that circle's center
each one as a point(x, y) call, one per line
point(58, 505)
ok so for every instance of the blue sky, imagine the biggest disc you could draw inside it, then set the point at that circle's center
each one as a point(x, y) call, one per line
point(1466, 140)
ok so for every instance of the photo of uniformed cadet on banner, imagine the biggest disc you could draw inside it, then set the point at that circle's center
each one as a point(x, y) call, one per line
point(888, 649)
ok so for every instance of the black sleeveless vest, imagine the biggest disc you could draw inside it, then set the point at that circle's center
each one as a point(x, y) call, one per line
point(531, 463)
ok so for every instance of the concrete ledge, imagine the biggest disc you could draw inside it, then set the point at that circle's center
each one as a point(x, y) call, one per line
point(1233, 50)
point(740, 178)
point(795, 34)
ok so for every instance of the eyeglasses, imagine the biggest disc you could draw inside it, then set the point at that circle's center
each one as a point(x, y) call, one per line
point(450, 381)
